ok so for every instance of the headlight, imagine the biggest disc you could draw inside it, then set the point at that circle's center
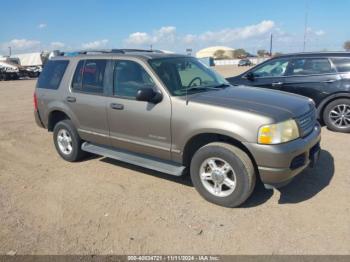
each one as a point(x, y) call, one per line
point(278, 133)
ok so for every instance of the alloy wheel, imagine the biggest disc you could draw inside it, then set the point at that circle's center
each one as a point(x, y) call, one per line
point(218, 177)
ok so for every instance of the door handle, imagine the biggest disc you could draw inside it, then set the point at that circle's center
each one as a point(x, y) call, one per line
point(117, 106)
point(329, 81)
point(277, 83)
point(71, 99)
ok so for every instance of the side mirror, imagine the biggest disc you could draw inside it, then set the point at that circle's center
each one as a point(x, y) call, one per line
point(147, 94)
point(250, 76)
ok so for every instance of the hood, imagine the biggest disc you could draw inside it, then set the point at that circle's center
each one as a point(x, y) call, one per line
point(277, 105)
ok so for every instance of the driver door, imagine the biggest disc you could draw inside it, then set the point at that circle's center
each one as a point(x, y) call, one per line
point(269, 75)
point(137, 126)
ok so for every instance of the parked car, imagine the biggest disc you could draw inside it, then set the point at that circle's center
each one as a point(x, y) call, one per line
point(324, 77)
point(8, 72)
point(245, 62)
point(172, 113)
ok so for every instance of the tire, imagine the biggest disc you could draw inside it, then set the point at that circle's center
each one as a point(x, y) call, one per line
point(70, 141)
point(336, 115)
point(242, 173)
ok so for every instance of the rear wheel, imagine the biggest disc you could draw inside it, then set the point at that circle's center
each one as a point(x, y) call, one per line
point(223, 174)
point(67, 141)
point(336, 115)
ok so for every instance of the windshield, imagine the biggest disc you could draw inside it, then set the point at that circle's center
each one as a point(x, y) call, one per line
point(181, 74)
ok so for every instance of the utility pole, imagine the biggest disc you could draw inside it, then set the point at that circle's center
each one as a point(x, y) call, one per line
point(151, 47)
point(10, 51)
point(306, 21)
point(271, 38)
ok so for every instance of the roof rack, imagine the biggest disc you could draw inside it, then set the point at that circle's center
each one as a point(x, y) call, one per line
point(118, 51)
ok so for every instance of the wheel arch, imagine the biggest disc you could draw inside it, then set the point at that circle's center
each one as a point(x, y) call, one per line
point(199, 140)
point(329, 99)
point(55, 116)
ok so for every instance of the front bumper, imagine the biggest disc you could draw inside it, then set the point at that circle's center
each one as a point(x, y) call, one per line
point(278, 164)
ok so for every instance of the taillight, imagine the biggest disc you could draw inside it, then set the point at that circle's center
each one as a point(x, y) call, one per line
point(35, 102)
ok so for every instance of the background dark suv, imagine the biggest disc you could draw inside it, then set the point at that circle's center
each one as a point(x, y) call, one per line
point(324, 77)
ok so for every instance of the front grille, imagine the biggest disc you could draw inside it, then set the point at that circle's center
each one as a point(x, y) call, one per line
point(307, 122)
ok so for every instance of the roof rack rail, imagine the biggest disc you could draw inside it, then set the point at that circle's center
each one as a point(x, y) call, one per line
point(106, 51)
point(130, 50)
point(85, 52)
point(118, 51)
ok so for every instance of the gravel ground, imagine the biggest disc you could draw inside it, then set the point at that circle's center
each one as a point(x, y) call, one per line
point(102, 206)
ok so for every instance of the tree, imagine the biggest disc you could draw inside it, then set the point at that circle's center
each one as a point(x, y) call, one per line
point(277, 54)
point(240, 53)
point(262, 53)
point(220, 54)
point(347, 45)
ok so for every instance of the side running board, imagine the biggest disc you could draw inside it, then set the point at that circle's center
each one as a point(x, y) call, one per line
point(135, 159)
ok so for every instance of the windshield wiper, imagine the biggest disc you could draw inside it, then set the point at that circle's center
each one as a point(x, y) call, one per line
point(203, 88)
point(221, 86)
point(211, 87)
point(206, 88)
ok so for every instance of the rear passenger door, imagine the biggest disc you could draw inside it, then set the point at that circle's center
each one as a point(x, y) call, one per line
point(87, 100)
point(137, 126)
point(311, 77)
point(343, 67)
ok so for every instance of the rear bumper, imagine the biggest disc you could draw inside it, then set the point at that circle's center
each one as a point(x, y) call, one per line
point(278, 164)
point(38, 119)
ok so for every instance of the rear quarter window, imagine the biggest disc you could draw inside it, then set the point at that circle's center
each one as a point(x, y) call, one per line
point(342, 64)
point(52, 74)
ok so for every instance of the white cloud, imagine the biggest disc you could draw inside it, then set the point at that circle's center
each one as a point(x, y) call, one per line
point(311, 32)
point(164, 34)
point(21, 45)
point(189, 39)
point(167, 36)
point(95, 44)
point(57, 45)
point(41, 26)
point(139, 38)
point(320, 33)
point(230, 35)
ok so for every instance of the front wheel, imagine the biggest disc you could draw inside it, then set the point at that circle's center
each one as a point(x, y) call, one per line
point(223, 174)
point(336, 115)
point(67, 141)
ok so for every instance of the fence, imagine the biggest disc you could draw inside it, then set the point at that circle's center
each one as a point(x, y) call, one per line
point(254, 60)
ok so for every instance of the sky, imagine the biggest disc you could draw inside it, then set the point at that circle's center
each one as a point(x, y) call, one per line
point(173, 25)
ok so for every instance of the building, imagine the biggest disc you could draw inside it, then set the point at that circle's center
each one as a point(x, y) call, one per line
point(29, 59)
point(217, 52)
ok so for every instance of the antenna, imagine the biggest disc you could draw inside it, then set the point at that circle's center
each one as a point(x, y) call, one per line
point(306, 21)
point(186, 97)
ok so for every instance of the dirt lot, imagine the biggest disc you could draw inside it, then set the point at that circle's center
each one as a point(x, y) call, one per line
point(101, 206)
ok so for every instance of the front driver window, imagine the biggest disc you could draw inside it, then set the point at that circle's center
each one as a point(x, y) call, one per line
point(274, 68)
point(129, 77)
point(185, 74)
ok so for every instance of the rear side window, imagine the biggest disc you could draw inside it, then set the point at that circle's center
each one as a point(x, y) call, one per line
point(52, 74)
point(309, 66)
point(89, 76)
point(342, 64)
